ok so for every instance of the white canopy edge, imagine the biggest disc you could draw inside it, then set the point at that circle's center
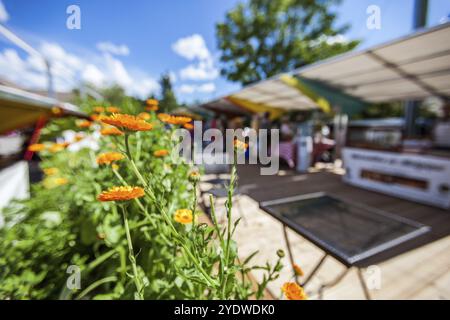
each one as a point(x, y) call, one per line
point(415, 66)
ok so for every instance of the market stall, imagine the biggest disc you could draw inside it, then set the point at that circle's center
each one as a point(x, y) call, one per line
point(377, 157)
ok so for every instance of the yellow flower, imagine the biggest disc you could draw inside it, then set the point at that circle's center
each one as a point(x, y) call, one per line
point(115, 166)
point(161, 153)
point(56, 110)
point(50, 171)
point(121, 194)
point(109, 157)
point(167, 118)
point(298, 271)
point(128, 122)
point(61, 181)
point(240, 145)
point(56, 147)
point(293, 291)
point(53, 182)
point(84, 124)
point(113, 109)
point(99, 109)
point(111, 131)
point(36, 147)
point(144, 116)
point(183, 216)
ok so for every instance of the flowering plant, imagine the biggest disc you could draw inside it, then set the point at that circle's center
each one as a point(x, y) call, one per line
point(125, 216)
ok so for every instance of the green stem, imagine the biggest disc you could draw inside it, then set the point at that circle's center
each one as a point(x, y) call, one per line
point(95, 285)
point(177, 237)
point(131, 256)
point(137, 201)
point(229, 209)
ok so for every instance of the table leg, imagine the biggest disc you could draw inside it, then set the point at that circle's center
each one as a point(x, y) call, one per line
point(333, 283)
point(291, 256)
point(364, 285)
point(316, 268)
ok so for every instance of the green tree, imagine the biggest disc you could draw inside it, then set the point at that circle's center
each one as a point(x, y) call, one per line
point(265, 37)
point(168, 101)
point(114, 94)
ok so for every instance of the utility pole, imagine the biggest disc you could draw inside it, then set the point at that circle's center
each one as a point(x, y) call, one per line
point(412, 106)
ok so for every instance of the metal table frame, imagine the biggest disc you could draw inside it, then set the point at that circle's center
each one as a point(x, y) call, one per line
point(352, 262)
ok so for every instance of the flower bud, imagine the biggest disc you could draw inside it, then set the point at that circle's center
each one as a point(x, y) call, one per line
point(280, 253)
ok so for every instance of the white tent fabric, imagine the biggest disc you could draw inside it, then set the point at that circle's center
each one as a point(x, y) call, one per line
point(276, 94)
point(17, 186)
point(413, 67)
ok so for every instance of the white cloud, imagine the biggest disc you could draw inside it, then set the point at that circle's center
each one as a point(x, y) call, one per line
point(109, 47)
point(117, 71)
point(186, 88)
point(207, 87)
point(4, 16)
point(192, 47)
point(68, 70)
point(202, 88)
point(93, 75)
point(200, 71)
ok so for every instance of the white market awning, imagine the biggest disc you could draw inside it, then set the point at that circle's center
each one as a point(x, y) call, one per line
point(416, 66)
point(413, 67)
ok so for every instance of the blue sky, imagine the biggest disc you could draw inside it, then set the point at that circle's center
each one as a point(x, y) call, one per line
point(133, 42)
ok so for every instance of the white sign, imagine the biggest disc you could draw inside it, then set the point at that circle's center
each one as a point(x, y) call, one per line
point(420, 178)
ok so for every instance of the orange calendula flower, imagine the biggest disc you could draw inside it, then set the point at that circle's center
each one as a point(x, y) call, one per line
point(298, 271)
point(96, 117)
point(109, 157)
point(183, 216)
point(188, 126)
point(179, 120)
point(128, 122)
point(37, 147)
point(293, 291)
point(99, 109)
point(56, 147)
point(151, 102)
point(84, 124)
point(144, 116)
point(161, 153)
point(111, 131)
point(50, 171)
point(240, 145)
point(121, 194)
point(113, 109)
point(151, 108)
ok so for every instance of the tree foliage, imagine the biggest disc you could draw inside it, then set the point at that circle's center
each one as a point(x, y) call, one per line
point(168, 101)
point(266, 37)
